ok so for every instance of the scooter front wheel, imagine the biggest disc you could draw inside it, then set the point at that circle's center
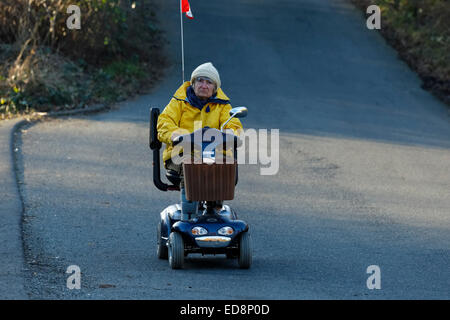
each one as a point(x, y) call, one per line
point(245, 252)
point(176, 250)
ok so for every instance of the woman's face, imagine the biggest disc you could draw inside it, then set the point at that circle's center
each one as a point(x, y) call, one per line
point(204, 88)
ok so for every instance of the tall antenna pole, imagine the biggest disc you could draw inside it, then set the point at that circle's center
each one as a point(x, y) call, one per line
point(182, 42)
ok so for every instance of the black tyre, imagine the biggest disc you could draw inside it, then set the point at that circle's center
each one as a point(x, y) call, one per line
point(176, 250)
point(245, 251)
point(161, 249)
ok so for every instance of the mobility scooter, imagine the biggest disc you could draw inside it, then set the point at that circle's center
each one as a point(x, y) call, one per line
point(216, 228)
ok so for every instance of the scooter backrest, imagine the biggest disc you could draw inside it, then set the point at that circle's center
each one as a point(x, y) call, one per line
point(154, 143)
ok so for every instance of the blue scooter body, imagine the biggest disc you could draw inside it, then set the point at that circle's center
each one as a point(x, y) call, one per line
point(210, 243)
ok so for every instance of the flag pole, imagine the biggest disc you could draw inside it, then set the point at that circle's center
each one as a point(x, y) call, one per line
point(182, 41)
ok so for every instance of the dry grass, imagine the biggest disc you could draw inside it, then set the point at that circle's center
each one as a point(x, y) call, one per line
point(44, 66)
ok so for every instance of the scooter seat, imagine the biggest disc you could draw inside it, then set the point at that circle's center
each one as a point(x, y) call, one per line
point(173, 177)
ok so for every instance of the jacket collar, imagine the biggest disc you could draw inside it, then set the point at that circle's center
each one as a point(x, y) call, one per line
point(180, 94)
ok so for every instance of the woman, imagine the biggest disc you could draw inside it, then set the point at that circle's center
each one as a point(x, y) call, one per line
point(198, 103)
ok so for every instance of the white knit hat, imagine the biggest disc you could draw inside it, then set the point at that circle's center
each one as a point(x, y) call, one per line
point(206, 70)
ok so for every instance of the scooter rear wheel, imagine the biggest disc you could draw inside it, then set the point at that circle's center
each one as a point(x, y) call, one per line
point(176, 250)
point(161, 249)
point(245, 252)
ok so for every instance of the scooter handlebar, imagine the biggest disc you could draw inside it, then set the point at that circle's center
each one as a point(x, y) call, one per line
point(207, 135)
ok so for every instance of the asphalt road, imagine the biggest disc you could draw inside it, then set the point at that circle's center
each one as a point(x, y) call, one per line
point(363, 170)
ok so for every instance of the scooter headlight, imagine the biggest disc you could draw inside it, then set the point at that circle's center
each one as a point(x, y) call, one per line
point(199, 231)
point(225, 231)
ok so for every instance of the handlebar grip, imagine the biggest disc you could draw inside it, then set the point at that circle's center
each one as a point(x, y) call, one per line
point(177, 140)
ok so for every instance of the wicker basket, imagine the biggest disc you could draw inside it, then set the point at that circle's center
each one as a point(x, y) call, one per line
point(209, 182)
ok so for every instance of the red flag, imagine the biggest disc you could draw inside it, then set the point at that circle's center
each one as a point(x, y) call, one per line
point(185, 7)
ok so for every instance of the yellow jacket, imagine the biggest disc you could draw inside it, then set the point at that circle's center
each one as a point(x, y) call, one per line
point(179, 116)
